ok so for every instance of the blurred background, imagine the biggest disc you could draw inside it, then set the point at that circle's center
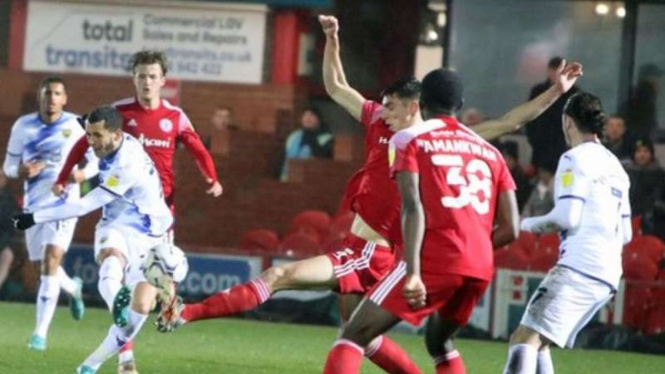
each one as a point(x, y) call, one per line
point(248, 74)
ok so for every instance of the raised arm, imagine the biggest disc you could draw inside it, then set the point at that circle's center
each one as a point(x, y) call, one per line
point(333, 73)
point(522, 114)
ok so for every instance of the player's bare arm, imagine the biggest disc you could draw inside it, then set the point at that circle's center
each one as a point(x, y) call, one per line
point(522, 114)
point(413, 227)
point(507, 219)
point(333, 74)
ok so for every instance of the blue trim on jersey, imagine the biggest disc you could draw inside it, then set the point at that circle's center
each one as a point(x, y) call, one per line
point(572, 197)
point(626, 216)
point(109, 191)
point(614, 290)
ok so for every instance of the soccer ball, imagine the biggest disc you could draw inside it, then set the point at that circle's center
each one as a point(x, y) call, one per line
point(164, 265)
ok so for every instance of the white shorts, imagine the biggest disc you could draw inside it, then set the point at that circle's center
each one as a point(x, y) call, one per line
point(564, 303)
point(58, 233)
point(132, 244)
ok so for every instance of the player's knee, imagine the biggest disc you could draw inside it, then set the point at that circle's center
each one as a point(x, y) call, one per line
point(52, 259)
point(111, 267)
point(524, 335)
point(109, 252)
point(359, 332)
point(275, 276)
point(6, 256)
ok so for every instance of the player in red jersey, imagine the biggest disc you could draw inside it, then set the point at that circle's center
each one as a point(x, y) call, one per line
point(452, 182)
point(158, 125)
point(368, 251)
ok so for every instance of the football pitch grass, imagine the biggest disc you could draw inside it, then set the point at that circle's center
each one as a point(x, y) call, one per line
point(232, 346)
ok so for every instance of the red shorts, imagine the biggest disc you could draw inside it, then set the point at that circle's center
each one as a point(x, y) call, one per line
point(453, 296)
point(360, 264)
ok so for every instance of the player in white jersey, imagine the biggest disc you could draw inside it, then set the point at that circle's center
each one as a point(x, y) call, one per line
point(592, 212)
point(135, 218)
point(38, 146)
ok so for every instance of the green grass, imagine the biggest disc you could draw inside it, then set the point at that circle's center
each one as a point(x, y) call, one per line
point(247, 347)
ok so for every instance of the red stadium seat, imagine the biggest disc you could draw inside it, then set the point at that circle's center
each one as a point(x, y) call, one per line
point(317, 219)
point(510, 259)
point(263, 240)
point(342, 222)
point(544, 261)
point(655, 320)
point(527, 241)
point(637, 301)
point(548, 244)
point(305, 230)
point(648, 245)
point(300, 245)
point(637, 266)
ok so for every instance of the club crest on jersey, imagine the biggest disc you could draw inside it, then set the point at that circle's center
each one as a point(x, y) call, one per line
point(567, 178)
point(131, 123)
point(112, 181)
point(166, 125)
point(66, 133)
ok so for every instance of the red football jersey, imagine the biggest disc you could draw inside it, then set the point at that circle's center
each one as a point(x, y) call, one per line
point(158, 130)
point(461, 176)
point(370, 192)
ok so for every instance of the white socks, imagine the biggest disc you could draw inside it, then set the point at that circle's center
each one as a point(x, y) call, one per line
point(67, 284)
point(522, 359)
point(545, 364)
point(110, 279)
point(116, 338)
point(47, 301)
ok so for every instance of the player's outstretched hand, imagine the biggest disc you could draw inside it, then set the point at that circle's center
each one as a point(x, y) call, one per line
point(568, 74)
point(329, 24)
point(58, 189)
point(414, 291)
point(23, 221)
point(215, 189)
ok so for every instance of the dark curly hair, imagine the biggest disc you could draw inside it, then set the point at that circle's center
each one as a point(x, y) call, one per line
point(587, 112)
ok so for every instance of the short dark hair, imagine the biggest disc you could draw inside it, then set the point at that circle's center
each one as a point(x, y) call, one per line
point(554, 62)
point(111, 117)
point(52, 79)
point(149, 57)
point(587, 112)
point(405, 88)
point(442, 91)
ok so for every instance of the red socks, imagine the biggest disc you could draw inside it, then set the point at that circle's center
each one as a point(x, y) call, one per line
point(390, 357)
point(450, 363)
point(237, 299)
point(344, 358)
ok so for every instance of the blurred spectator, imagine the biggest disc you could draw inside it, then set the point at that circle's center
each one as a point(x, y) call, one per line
point(222, 119)
point(646, 177)
point(544, 133)
point(311, 141)
point(617, 140)
point(8, 207)
point(471, 117)
point(510, 154)
point(641, 109)
point(541, 200)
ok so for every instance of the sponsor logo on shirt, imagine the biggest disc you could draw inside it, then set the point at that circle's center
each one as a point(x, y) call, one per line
point(132, 123)
point(166, 125)
point(112, 181)
point(383, 140)
point(148, 142)
point(66, 133)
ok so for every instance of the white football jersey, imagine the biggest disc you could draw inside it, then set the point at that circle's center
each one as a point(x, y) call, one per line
point(592, 174)
point(130, 175)
point(32, 140)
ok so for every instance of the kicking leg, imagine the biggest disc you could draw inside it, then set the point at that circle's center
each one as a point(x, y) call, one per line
point(523, 351)
point(313, 273)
